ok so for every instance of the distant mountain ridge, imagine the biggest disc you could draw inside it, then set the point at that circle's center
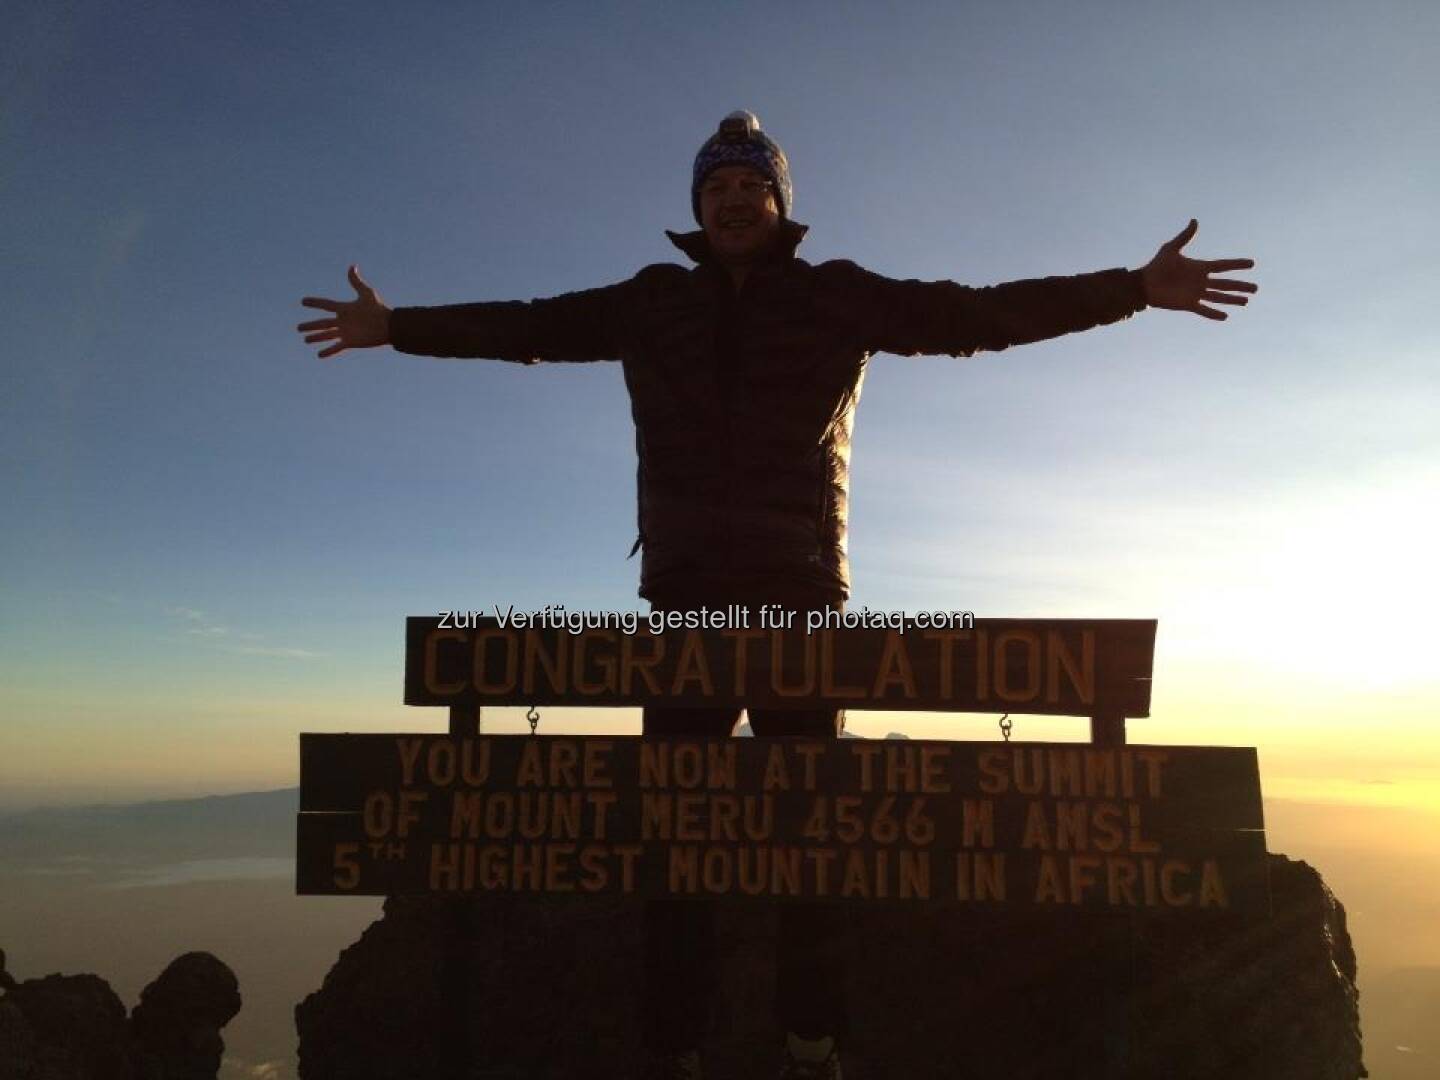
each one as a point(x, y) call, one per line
point(252, 823)
point(258, 823)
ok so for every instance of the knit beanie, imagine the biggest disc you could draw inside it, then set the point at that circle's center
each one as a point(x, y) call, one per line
point(739, 141)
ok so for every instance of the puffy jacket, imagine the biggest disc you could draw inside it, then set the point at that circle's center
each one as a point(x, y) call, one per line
point(743, 401)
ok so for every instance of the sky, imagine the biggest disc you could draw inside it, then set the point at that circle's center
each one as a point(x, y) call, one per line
point(211, 538)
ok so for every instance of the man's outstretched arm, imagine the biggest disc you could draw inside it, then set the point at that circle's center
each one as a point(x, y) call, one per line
point(923, 317)
point(587, 325)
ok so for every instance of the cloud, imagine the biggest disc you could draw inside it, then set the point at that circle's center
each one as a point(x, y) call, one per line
point(277, 650)
point(198, 624)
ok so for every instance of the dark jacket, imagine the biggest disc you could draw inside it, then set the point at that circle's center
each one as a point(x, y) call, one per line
point(743, 402)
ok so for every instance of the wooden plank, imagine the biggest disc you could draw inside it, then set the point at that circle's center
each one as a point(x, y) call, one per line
point(1064, 667)
point(1154, 829)
point(1224, 876)
point(1203, 786)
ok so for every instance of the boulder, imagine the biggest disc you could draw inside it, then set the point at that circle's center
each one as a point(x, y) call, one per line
point(73, 1027)
point(176, 1026)
point(65, 1027)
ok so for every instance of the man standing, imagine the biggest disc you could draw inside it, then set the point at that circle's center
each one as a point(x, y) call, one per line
point(744, 372)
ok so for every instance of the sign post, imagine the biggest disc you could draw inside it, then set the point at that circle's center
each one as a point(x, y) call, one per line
point(1065, 827)
point(1108, 828)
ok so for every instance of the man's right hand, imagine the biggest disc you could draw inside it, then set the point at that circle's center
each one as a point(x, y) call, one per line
point(362, 323)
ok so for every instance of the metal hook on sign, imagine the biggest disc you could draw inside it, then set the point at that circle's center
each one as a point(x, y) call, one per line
point(1006, 726)
point(533, 716)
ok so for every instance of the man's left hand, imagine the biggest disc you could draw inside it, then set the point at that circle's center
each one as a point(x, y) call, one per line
point(1180, 284)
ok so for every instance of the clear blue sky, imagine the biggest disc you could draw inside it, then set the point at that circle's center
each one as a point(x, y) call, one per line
point(211, 539)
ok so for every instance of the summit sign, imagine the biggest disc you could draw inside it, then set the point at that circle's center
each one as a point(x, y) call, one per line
point(1148, 830)
point(1064, 826)
point(1056, 666)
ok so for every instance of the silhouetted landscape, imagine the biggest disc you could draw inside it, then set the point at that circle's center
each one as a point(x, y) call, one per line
point(121, 891)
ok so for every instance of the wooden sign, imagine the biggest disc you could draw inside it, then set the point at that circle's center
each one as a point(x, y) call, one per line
point(736, 656)
point(1054, 826)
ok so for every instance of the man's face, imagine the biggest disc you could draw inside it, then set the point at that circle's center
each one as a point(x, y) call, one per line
point(739, 213)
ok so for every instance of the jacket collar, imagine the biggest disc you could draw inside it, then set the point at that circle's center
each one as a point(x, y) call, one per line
point(697, 247)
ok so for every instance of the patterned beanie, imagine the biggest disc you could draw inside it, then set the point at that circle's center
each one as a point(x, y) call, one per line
point(739, 141)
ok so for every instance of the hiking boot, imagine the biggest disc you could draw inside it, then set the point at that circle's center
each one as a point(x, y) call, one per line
point(810, 1059)
point(671, 1065)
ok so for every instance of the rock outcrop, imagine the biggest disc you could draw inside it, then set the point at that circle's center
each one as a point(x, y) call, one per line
point(74, 1027)
point(539, 988)
point(176, 1026)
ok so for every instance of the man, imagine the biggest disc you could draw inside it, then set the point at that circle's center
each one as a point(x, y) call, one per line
point(743, 375)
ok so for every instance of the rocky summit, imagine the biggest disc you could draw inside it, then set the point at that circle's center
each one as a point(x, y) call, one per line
point(74, 1027)
point(500, 988)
